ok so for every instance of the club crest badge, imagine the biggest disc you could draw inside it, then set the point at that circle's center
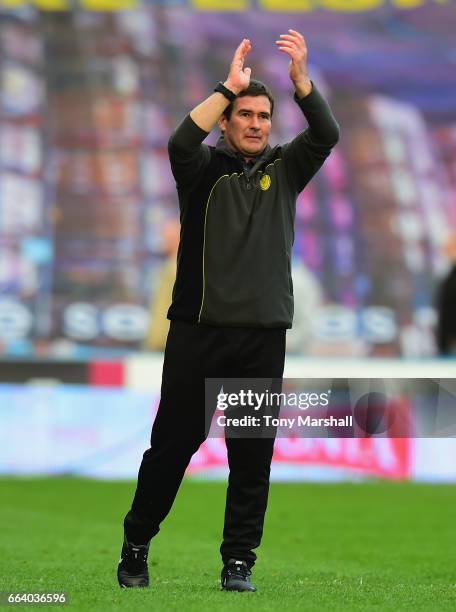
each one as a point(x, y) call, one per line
point(265, 182)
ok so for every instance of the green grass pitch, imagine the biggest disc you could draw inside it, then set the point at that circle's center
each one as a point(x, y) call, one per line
point(374, 546)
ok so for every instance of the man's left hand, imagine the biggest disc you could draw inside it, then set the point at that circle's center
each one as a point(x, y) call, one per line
point(294, 45)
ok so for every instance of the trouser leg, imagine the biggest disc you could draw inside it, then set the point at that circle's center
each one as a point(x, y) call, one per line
point(178, 429)
point(249, 459)
point(160, 474)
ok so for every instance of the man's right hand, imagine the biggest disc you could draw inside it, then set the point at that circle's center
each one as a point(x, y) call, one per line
point(239, 77)
point(206, 114)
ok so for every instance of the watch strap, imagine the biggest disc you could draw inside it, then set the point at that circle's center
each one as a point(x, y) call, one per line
point(229, 95)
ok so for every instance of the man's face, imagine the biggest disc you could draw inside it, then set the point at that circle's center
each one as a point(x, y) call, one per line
point(248, 128)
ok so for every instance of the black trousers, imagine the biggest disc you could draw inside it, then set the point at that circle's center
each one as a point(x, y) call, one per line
point(193, 353)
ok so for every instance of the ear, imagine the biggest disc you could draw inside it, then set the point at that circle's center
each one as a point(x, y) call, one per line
point(222, 123)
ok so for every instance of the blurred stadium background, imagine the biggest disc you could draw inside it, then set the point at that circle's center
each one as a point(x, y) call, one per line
point(89, 94)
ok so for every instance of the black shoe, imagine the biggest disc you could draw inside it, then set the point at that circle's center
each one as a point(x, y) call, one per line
point(132, 570)
point(236, 576)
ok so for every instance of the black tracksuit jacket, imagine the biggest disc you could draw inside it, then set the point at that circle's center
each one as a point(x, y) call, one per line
point(237, 225)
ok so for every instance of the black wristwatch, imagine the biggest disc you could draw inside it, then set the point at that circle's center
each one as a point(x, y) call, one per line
point(229, 95)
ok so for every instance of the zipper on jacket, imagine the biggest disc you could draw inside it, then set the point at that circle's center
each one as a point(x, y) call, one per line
point(247, 181)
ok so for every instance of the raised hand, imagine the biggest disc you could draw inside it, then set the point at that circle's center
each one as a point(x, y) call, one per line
point(239, 77)
point(294, 45)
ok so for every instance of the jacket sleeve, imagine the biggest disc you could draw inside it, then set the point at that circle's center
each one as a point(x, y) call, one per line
point(187, 154)
point(305, 154)
point(446, 308)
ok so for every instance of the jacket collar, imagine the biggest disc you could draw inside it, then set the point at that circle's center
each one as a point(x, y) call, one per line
point(254, 164)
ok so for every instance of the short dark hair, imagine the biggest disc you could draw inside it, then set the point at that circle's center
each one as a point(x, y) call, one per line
point(255, 88)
